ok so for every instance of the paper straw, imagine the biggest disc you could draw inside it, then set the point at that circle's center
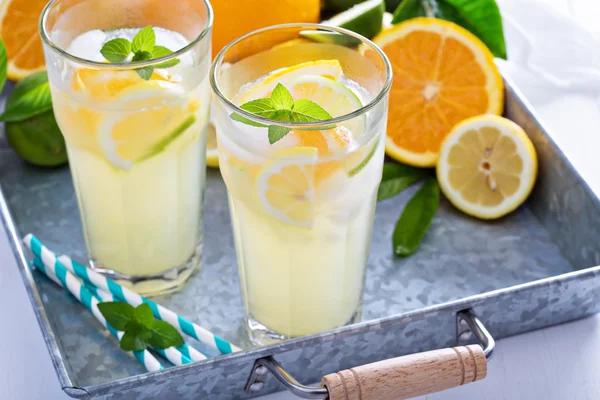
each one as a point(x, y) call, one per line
point(185, 353)
point(60, 275)
point(129, 296)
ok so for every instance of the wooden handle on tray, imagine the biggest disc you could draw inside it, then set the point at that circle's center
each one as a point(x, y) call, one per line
point(408, 376)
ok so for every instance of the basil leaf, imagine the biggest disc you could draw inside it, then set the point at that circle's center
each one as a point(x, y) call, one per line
point(30, 97)
point(396, 178)
point(144, 316)
point(308, 111)
point(116, 50)
point(163, 335)
point(277, 133)
point(281, 98)
point(416, 218)
point(480, 17)
point(239, 118)
point(3, 64)
point(144, 40)
point(117, 313)
point(134, 342)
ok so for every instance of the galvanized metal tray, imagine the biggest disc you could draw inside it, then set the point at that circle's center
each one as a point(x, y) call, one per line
point(534, 268)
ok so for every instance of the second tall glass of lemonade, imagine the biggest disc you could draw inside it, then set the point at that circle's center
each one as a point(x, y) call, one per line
point(134, 119)
point(302, 184)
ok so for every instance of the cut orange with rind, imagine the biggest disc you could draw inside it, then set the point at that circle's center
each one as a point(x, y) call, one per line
point(443, 74)
point(19, 31)
point(487, 166)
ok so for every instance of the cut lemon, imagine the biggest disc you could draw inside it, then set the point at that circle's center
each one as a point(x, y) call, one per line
point(212, 154)
point(487, 166)
point(443, 74)
point(286, 186)
point(157, 114)
point(19, 31)
point(326, 68)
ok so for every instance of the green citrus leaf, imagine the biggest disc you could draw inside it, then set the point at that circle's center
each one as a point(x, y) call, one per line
point(480, 17)
point(30, 97)
point(3, 64)
point(396, 178)
point(416, 218)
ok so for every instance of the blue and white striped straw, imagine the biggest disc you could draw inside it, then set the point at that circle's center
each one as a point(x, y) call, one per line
point(60, 275)
point(129, 296)
point(179, 355)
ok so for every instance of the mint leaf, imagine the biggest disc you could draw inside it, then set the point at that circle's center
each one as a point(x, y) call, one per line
point(142, 56)
point(145, 72)
point(396, 178)
point(281, 98)
point(416, 218)
point(239, 118)
point(163, 335)
point(144, 40)
point(308, 111)
point(167, 64)
point(261, 107)
point(117, 313)
point(116, 50)
point(3, 64)
point(144, 316)
point(277, 133)
point(480, 17)
point(161, 51)
point(134, 342)
point(32, 97)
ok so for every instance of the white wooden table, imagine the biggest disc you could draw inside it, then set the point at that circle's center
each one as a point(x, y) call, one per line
point(552, 364)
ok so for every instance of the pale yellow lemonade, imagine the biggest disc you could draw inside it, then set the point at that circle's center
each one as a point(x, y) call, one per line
point(136, 151)
point(302, 209)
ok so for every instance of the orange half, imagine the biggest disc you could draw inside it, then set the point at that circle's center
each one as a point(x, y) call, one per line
point(19, 31)
point(443, 74)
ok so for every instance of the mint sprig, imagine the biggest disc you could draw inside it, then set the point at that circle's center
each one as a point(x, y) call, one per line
point(139, 326)
point(281, 106)
point(143, 47)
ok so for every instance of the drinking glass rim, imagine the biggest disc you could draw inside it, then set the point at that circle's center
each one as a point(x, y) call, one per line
point(380, 96)
point(122, 65)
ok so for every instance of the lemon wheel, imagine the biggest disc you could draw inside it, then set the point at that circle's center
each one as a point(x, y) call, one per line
point(487, 166)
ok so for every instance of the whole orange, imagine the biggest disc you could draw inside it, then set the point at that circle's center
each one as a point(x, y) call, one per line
point(234, 18)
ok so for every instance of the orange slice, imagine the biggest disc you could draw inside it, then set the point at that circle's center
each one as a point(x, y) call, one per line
point(443, 74)
point(19, 31)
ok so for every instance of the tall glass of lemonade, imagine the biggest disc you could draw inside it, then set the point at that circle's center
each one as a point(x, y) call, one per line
point(301, 113)
point(129, 83)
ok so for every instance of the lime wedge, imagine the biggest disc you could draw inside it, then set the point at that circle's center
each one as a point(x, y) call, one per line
point(387, 20)
point(364, 18)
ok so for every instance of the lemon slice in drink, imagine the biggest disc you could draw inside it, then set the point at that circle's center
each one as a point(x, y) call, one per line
point(326, 68)
point(286, 186)
point(155, 114)
point(487, 166)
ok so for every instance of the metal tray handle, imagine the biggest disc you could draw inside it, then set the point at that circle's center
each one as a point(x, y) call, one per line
point(396, 378)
